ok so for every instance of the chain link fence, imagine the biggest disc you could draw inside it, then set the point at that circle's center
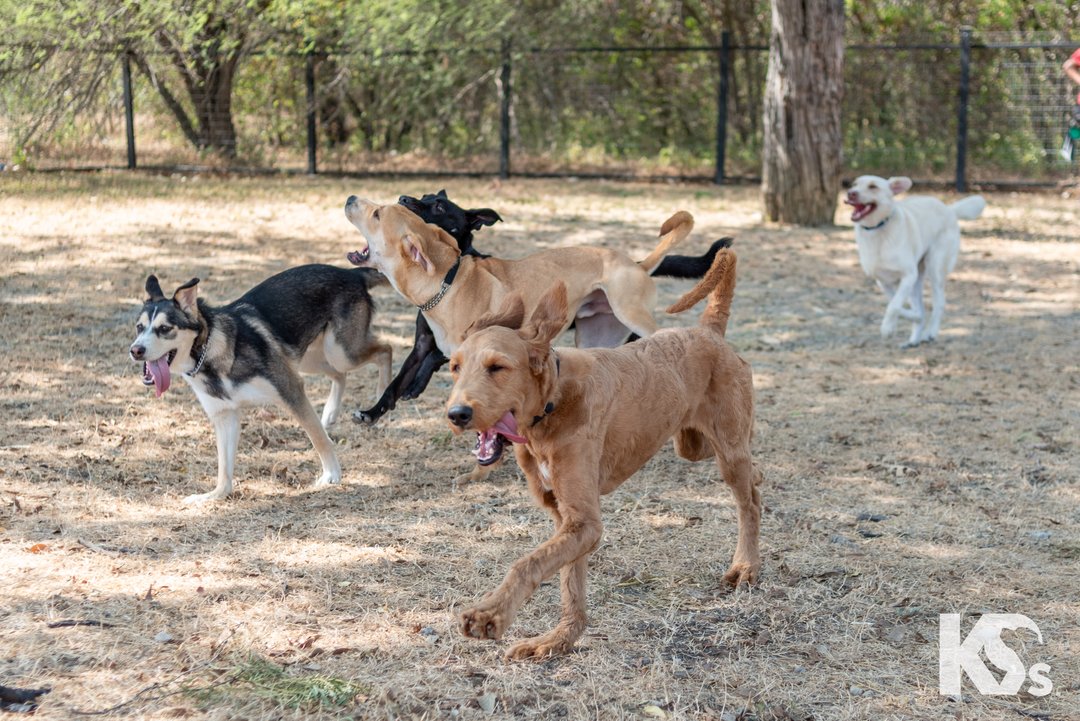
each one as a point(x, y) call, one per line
point(989, 110)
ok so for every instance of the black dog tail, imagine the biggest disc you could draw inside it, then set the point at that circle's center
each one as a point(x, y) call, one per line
point(690, 266)
point(372, 277)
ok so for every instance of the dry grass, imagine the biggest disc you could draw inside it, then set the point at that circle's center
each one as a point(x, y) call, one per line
point(282, 599)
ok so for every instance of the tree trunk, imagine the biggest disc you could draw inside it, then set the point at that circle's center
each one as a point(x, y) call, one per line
point(803, 92)
point(212, 99)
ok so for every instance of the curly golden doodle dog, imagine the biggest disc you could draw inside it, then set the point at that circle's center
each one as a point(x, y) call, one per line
point(608, 294)
point(583, 421)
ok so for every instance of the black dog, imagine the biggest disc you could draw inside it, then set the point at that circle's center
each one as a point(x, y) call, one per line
point(426, 358)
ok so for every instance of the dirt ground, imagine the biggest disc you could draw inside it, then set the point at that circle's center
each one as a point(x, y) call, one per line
point(900, 484)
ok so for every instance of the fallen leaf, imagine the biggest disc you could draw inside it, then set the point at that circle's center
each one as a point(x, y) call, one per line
point(38, 548)
point(487, 703)
point(654, 711)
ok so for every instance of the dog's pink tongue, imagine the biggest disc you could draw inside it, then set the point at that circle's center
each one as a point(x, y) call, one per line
point(507, 427)
point(159, 369)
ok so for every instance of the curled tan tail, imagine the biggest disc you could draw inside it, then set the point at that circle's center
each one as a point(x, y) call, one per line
point(672, 232)
point(719, 285)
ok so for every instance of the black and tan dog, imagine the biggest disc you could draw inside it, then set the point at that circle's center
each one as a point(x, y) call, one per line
point(583, 421)
point(309, 319)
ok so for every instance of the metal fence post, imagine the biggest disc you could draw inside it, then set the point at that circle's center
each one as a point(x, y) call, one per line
point(721, 105)
point(962, 110)
point(129, 109)
point(504, 130)
point(309, 81)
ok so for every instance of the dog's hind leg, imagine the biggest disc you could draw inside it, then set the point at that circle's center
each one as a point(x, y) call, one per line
point(937, 268)
point(227, 430)
point(743, 477)
point(918, 310)
point(293, 397)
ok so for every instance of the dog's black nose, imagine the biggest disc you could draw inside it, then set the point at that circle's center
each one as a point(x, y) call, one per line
point(351, 200)
point(137, 352)
point(460, 416)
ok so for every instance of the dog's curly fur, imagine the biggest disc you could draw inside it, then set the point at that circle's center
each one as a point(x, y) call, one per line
point(584, 421)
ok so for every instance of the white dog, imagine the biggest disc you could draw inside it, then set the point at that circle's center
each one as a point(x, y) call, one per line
point(903, 242)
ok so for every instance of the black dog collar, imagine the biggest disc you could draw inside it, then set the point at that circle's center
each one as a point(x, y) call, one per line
point(550, 407)
point(450, 274)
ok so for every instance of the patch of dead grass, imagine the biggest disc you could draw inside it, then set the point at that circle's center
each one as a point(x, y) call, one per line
point(963, 452)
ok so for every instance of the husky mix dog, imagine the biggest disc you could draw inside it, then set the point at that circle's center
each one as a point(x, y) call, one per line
point(309, 319)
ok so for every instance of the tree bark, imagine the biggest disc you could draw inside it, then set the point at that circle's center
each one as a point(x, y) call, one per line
point(803, 93)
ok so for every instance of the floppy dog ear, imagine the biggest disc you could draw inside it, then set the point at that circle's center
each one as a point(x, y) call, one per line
point(510, 315)
point(414, 251)
point(546, 322)
point(153, 288)
point(186, 296)
point(899, 184)
point(479, 217)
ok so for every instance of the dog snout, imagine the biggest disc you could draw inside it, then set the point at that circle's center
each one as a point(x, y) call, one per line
point(138, 352)
point(460, 415)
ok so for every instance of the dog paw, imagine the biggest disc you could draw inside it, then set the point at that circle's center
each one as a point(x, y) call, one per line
point(484, 623)
point(541, 647)
point(366, 418)
point(328, 479)
point(742, 574)
point(888, 326)
point(200, 498)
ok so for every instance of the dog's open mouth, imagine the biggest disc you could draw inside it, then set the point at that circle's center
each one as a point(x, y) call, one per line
point(861, 210)
point(156, 372)
point(490, 443)
point(359, 257)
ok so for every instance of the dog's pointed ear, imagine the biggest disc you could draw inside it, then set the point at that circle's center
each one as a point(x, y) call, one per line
point(413, 249)
point(442, 194)
point(153, 288)
point(511, 314)
point(899, 184)
point(186, 296)
point(546, 322)
point(479, 217)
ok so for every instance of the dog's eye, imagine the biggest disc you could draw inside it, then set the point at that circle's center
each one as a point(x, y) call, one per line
point(139, 327)
point(495, 368)
point(455, 367)
point(375, 214)
point(438, 209)
point(164, 328)
point(872, 186)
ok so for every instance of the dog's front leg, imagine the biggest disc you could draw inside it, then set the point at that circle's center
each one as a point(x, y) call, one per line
point(423, 344)
point(227, 430)
point(895, 308)
point(560, 639)
point(432, 362)
point(577, 536)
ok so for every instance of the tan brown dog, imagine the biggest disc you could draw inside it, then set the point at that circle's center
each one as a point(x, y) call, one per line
point(584, 421)
point(608, 294)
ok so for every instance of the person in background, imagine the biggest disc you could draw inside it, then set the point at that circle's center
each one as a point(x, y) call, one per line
point(1072, 137)
point(1072, 69)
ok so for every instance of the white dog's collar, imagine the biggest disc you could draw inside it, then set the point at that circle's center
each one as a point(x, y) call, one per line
point(875, 227)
